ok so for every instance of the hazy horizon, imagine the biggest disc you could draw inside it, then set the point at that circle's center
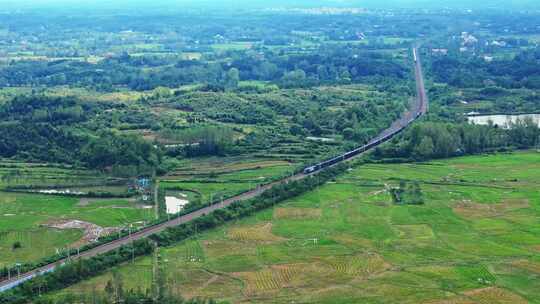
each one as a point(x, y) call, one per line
point(254, 4)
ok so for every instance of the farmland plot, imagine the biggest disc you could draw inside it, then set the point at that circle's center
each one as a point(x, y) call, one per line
point(474, 241)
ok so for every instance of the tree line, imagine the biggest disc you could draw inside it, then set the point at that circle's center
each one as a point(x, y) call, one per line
point(331, 64)
point(429, 140)
point(115, 292)
point(522, 71)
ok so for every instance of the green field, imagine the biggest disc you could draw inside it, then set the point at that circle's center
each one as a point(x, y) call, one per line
point(209, 191)
point(232, 46)
point(24, 214)
point(476, 240)
point(22, 217)
point(209, 179)
point(231, 169)
point(14, 173)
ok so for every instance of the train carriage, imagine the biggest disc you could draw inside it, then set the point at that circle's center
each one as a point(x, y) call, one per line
point(421, 108)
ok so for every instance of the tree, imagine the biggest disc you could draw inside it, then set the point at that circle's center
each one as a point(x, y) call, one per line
point(417, 198)
point(425, 149)
point(232, 78)
point(446, 143)
point(348, 133)
point(294, 79)
point(266, 71)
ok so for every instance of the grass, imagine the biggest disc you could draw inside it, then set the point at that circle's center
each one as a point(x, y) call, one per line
point(208, 191)
point(212, 178)
point(235, 46)
point(121, 96)
point(37, 209)
point(261, 174)
point(351, 244)
point(13, 173)
point(224, 165)
point(35, 243)
point(23, 215)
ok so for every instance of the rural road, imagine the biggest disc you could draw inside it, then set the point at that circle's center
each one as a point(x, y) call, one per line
point(419, 108)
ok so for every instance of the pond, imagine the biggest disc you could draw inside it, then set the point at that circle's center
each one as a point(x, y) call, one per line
point(60, 191)
point(83, 190)
point(175, 204)
point(502, 120)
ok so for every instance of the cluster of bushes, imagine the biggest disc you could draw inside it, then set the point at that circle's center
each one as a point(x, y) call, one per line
point(199, 140)
point(407, 194)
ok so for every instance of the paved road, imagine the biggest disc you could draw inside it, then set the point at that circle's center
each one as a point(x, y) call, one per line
point(419, 107)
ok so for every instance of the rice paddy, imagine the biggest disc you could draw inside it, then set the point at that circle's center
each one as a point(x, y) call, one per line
point(475, 240)
point(25, 217)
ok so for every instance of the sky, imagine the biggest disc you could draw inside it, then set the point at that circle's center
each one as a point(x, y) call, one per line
point(178, 4)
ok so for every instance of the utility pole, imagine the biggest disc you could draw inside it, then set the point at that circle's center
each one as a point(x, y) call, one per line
point(156, 196)
point(18, 270)
point(155, 272)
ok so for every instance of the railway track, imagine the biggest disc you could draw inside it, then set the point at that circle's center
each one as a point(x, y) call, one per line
point(418, 108)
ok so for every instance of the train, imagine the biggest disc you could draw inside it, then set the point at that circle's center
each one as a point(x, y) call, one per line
point(393, 131)
point(17, 281)
point(360, 150)
point(355, 152)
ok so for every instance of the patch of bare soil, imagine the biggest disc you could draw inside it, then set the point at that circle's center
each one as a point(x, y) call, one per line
point(86, 201)
point(92, 232)
point(488, 295)
point(455, 300)
point(297, 213)
point(354, 242)
point(494, 295)
point(270, 280)
point(361, 266)
point(386, 189)
point(469, 209)
point(527, 265)
point(254, 234)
